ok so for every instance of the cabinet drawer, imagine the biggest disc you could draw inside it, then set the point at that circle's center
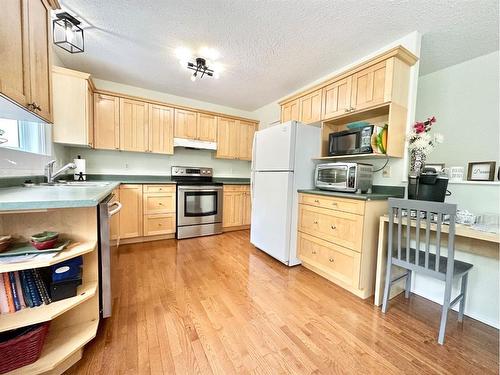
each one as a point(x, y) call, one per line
point(159, 188)
point(346, 205)
point(159, 203)
point(159, 224)
point(341, 228)
point(341, 263)
point(236, 187)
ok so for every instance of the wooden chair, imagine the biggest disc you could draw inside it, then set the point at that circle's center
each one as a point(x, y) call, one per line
point(430, 264)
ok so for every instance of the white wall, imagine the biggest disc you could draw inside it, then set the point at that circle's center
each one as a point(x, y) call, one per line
point(137, 163)
point(465, 100)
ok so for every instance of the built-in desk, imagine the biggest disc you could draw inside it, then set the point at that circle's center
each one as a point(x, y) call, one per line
point(466, 239)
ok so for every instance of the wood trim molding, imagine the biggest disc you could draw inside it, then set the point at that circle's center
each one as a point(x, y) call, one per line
point(54, 4)
point(175, 106)
point(399, 52)
point(232, 229)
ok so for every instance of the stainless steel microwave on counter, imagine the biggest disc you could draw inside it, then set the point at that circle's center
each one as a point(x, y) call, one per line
point(346, 177)
point(351, 142)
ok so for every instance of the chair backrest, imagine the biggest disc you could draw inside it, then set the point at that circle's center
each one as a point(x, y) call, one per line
point(422, 213)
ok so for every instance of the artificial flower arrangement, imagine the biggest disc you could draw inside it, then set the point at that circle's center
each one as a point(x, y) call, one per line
point(422, 143)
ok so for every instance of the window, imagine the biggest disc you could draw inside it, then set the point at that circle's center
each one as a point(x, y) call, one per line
point(25, 136)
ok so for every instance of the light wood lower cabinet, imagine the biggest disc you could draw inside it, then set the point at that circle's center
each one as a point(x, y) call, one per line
point(337, 238)
point(131, 216)
point(159, 209)
point(236, 206)
point(114, 221)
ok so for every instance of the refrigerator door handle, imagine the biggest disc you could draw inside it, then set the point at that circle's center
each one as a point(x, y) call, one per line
point(253, 151)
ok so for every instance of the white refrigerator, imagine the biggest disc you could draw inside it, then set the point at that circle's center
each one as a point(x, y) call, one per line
point(281, 164)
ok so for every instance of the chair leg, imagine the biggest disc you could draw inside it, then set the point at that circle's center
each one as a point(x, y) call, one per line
point(463, 291)
point(387, 287)
point(444, 311)
point(408, 284)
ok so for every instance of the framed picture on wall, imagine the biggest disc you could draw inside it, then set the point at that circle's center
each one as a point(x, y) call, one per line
point(437, 166)
point(481, 171)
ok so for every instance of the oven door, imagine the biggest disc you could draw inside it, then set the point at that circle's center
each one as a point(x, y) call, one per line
point(199, 205)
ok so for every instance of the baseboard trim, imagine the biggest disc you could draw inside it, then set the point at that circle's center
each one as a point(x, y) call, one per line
point(240, 227)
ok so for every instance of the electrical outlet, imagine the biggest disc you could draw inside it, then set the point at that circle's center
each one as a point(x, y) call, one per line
point(386, 172)
point(126, 165)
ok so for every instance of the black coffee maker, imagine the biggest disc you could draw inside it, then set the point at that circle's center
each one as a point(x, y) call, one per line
point(428, 186)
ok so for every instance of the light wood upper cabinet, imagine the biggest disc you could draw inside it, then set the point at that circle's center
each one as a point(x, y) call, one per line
point(206, 127)
point(185, 124)
point(337, 98)
point(25, 69)
point(310, 107)
point(245, 141)
point(40, 61)
point(227, 137)
point(14, 66)
point(368, 87)
point(106, 122)
point(161, 129)
point(290, 111)
point(131, 216)
point(134, 125)
point(73, 107)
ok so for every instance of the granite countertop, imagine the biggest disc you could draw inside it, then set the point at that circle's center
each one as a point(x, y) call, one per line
point(45, 197)
point(139, 179)
point(379, 192)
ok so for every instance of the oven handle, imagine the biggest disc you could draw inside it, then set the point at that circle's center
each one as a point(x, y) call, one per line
point(210, 190)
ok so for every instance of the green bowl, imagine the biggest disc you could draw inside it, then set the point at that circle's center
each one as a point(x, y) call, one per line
point(44, 236)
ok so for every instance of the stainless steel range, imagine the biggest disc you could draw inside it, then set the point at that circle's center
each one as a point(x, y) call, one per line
point(199, 202)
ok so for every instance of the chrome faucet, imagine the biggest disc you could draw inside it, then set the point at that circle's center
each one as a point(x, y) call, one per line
point(51, 175)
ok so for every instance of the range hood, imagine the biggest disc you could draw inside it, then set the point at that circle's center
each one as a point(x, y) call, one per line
point(193, 143)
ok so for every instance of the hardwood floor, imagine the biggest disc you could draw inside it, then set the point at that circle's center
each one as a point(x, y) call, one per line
point(218, 305)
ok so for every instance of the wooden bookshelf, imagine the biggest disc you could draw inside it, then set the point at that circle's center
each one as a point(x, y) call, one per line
point(51, 311)
point(73, 250)
point(61, 344)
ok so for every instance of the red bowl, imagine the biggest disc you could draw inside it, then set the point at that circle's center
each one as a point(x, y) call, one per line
point(49, 244)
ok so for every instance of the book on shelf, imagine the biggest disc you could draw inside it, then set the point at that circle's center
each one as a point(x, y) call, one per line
point(22, 289)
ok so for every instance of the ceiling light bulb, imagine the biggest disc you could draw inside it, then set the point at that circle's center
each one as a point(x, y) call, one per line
point(193, 77)
point(68, 31)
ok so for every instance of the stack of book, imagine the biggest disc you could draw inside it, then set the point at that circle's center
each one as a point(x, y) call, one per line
point(22, 289)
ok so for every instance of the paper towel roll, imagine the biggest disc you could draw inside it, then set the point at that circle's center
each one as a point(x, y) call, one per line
point(80, 172)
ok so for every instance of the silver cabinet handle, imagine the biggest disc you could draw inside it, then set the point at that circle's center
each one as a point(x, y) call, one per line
point(316, 201)
point(333, 227)
point(116, 210)
point(331, 260)
point(315, 221)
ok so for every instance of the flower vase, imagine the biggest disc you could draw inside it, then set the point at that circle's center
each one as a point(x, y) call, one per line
point(417, 161)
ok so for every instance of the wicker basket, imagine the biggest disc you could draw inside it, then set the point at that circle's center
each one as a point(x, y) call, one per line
point(24, 349)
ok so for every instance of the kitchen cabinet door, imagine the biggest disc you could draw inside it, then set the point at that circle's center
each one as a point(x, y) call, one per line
point(290, 111)
point(14, 66)
point(337, 98)
point(131, 215)
point(185, 124)
point(161, 129)
point(310, 107)
point(206, 127)
point(368, 87)
point(247, 208)
point(114, 221)
point(106, 122)
point(227, 138)
point(134, 125)
point(40, 67)
point(73, 108)
point(246, 132)
point(233, 209)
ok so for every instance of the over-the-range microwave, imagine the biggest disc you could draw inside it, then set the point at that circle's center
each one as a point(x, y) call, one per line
point(347, 177)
